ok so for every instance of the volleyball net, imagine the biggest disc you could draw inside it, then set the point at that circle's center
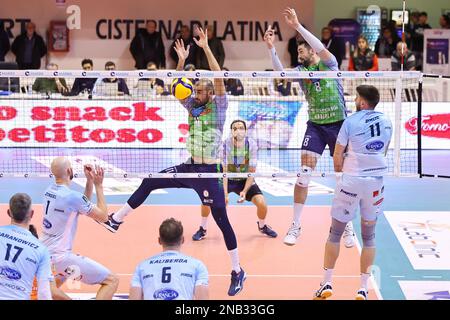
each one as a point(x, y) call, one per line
point(130, 123)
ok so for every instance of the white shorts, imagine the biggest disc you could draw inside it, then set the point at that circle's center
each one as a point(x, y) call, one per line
point(353, 192)
point(78, 268)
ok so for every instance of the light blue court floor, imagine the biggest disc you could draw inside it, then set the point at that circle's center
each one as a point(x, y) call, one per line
point(413, 236)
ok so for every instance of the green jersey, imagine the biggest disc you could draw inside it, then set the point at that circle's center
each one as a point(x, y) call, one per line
point(325, 96)
point(205, 128)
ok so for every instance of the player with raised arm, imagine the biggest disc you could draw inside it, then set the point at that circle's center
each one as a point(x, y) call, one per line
point(207, 109)
point(360, 156)
point(174, 276)
point(23, 258)
point(62, 207)
point(326, 112)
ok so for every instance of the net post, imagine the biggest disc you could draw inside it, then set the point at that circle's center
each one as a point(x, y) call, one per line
point(398, 124)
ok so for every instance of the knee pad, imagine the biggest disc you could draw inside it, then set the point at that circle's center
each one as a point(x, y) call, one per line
point(336, 231)
point(305, 177)
point(368, 235)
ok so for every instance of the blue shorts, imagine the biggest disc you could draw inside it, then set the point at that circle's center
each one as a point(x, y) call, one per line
point(210, 190)
point(318, 136)
point(237, 186)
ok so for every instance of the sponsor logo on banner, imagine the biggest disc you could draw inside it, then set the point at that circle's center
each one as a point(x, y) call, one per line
point(111, 186)
point(425, 290)
point(436, 126)
point(424, 237)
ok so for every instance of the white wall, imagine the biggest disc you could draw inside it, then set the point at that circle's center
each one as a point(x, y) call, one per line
point(240, 55)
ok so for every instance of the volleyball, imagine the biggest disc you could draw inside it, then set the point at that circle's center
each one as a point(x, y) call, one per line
point(181, 88)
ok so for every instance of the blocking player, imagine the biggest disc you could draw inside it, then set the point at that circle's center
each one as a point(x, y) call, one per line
point(240, 155)
point(360, 155)
point(326, 113)
point(24, 257)
point(62, 207)
point(170, 275)
point(207, 109)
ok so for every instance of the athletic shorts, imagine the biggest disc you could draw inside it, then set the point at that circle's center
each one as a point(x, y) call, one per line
point(366, 193)
point(237, 186)
point(210, 190)
point(318, 136)
point(78, 268)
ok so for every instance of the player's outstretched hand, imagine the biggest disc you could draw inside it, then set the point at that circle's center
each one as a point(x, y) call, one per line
point(99, 174)
point(89, 172)
point(183, 53)
point(291, 18)
point(269, 37)
point(202, 42)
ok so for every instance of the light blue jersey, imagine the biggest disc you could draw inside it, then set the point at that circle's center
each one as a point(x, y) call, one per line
point(366, 134)
point(62, 206)
point(22, 258)
point(170, 275)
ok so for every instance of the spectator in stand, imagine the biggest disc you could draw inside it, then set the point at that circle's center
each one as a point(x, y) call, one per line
point(386, 44)
point(363, 59)
point(186, 36)
point(293, 49)
point(333, 44)
point(29, 48)
point(409, 61)
point(121, 83)
point(4, 42)
point(444, 22)
point(155, 84)
point(418, 40)
point(281, 87)
point(82, 85)
point(234, 87)
point(50, 85)
point(147, 45)
point(216, 46)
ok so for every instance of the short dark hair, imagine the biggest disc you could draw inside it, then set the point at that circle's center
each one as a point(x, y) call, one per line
point(171, 232)
point(370, 94)
point(109, 64)
point(237, 121)
point(87, 61)
point(19, 207)
point(304, 43)
point(152, 21)
point(423, 13)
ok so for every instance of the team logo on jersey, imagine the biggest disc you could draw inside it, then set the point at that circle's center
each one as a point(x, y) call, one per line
point(10, 273)
point(47, 224)
point(375, 146)
point(165, 294)
point(206, 193)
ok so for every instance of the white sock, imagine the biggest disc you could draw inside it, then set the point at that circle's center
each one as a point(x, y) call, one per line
point(261, 223)
point(364, 280)
point(122, 213)
point(234, 255)
point(204, 223)
point(298, 207)
point(327, 275)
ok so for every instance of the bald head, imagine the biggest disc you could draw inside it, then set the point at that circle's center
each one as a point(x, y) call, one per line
point(61, 168)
